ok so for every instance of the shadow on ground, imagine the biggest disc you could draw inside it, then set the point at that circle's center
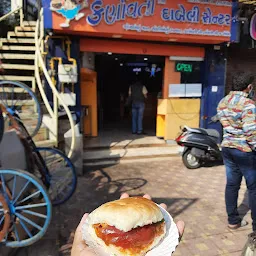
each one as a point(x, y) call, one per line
point(100, 189)
point(211, 164)
point(97, 186)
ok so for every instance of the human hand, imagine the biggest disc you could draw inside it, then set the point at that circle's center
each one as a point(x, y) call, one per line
point(80, 248)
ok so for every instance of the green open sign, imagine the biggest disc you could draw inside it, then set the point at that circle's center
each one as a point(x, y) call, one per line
point(183, 67)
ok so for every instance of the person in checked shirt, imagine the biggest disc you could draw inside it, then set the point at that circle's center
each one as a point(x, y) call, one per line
point(237, 114)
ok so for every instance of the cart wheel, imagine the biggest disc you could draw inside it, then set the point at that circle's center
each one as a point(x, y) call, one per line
point(60, 174)
point(21, 102)
point(1, 125)
point(4, 217)
point(30, 207)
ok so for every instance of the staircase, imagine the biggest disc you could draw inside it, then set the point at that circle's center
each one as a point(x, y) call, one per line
point(22, 57)
point(17, 54)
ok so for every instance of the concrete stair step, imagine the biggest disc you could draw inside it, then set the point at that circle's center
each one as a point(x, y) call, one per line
point(32, 121)
point(17, 78)
point(41, 136)
point(20, 102)
point(11, 90)
point(12, 34)
point(17, 66)
point(17, 48)
point(29, 23)
point(18, 56)
point(25, 29)
point(28, 109)
point(132, 153)
point(17, 41)
point(26, 116)
point(46, 143)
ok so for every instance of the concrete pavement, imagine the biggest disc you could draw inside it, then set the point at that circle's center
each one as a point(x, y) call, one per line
point(195, 196)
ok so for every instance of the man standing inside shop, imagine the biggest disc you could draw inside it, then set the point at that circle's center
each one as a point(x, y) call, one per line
point(237, 114)
point(138, 94)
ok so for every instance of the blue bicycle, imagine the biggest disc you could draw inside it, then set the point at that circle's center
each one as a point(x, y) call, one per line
point(26, 197)
point(54, 168)
point(25, 206)
point(21, 102)
point(28, 206)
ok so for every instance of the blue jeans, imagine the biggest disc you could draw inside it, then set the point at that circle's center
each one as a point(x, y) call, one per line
point(137, 117)
point(239, 164)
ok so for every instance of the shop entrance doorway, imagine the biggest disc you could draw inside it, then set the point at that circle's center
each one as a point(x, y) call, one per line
point(115, 74)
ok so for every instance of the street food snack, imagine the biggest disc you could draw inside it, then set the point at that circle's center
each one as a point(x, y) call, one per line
point(130, 226)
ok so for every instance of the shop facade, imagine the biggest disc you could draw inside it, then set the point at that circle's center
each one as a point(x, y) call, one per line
point(190, 35)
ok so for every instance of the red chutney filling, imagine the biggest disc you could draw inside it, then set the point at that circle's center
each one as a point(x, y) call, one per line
point(137, 238)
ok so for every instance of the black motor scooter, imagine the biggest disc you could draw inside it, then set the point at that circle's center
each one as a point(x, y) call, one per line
point(199, 145)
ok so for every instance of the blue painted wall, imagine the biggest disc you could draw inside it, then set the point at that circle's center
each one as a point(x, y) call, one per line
point(235, 25)
point(215, 76)
point(47, 14)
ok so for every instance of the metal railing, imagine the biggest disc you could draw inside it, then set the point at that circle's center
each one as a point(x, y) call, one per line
point(18, 9)
point(40, 66)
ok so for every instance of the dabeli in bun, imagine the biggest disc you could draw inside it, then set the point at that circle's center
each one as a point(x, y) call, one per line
point(129, 226)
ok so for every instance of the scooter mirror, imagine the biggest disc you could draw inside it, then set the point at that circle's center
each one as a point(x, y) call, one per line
point(181, 127)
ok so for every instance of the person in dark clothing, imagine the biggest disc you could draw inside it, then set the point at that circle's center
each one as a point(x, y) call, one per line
point(138, 94)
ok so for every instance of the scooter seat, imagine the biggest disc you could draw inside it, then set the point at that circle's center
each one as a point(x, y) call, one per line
point(210, 132)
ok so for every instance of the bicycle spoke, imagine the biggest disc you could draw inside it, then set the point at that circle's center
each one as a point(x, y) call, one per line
point(4, 93)
point(55, 160)
point(1, 220)
point(25, 228)
point(16, 232)
point(12, 93)
point(18, 98)
point(3, 183)
point(28, 197)
point(59, 193)
point(4, 239)
point(22, 190)
point(2, 96)
point(28, 221)
point(14, 186)
point(30, 206)
point(35, 214)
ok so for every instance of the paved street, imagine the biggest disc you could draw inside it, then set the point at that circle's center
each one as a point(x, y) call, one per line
point(195, 196)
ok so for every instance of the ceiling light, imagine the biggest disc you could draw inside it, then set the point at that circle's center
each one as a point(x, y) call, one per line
point(116, 58)
point(145, 59)
point(109, 53)
point(121, 64)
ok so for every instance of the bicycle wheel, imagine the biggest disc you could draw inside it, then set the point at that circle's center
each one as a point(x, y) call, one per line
point(1, 125)
point(4, 217)
point(21, 102)
point(60, 173)
point(30, 207)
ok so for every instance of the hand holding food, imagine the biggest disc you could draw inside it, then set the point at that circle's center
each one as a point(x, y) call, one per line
point(130, 226)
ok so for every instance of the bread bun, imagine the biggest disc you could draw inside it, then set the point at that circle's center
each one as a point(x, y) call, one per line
point(126, 215)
